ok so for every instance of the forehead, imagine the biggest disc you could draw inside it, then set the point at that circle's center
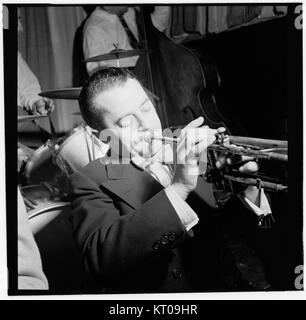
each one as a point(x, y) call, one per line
point(121, 99)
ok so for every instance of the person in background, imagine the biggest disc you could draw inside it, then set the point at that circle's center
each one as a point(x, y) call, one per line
point(30, 272)
point(29, 102)
point(30, 134)
point(111, 27)
point(29, 89)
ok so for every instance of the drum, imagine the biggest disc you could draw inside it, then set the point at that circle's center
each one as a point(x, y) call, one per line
point(41, 166)
point(41, 198)
point(49, 223)
point(79, 148)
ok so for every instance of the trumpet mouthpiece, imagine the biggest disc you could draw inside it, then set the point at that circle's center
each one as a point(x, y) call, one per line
point(149, 137)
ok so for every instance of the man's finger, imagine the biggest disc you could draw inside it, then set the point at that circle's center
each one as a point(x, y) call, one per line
point(197, 135)
point(249, 167)
point(202, 146)
point(235, 159)
point(247, 158)
point(194, 123)
point(207, 131)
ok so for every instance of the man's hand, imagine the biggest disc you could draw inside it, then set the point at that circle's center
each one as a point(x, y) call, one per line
point(247, 163)
point(191, 148)
point(248, 166)
point(43, 106)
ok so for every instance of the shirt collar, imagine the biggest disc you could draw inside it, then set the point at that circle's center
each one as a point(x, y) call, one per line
point(105, 15)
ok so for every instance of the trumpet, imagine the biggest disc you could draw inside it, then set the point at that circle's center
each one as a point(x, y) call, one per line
point(255, 149)
point(271, 155)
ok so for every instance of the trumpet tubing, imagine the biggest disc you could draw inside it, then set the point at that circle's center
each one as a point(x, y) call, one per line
point(271, 186)
point(258, 149)
point(258, 142)
point(267, 154)
point(253, 147)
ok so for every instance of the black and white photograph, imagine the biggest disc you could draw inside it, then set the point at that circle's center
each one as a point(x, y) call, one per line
point(159, 148)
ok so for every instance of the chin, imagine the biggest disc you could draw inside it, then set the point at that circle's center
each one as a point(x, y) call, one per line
point(145, 154)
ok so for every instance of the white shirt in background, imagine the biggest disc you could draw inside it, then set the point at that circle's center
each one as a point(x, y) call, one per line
point(28, 85)
point(102, 31)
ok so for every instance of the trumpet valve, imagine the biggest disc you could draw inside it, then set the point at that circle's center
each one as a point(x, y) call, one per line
point(222, 137)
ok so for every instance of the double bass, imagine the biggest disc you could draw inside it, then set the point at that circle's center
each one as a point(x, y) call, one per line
point(185, 80)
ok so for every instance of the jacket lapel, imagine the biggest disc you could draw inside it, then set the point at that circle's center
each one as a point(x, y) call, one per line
point(131, 184)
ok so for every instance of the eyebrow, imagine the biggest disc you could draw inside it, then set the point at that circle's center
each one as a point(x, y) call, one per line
point(144, 102)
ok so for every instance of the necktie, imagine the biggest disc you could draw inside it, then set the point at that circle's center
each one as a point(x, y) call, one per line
point(133, 40)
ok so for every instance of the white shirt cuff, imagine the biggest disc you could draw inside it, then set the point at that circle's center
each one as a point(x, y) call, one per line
point(187, 216)
point(264, 207)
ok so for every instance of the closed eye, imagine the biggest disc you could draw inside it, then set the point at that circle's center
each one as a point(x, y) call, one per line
point(147, 106)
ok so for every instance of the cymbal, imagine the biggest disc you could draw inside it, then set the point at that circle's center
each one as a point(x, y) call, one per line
point(66, 93)
point(30, 117)
point(73, 93)
point(117, 54)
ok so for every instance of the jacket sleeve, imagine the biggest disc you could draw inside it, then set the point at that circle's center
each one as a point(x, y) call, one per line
point(112, 242)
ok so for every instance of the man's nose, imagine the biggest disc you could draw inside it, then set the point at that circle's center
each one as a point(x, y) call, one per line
point(144, 124)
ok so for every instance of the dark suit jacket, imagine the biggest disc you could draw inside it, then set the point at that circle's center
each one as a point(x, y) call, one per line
point(131, 239)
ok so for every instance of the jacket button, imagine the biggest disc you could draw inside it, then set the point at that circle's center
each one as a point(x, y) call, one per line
point(156, 246)
point(177, 274)
point(164, 241)
point(171, 236)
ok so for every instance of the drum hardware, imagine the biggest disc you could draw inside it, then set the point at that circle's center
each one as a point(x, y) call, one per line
point(39, 197)
point(78, 148)
point(29, 203)
point(50, 165)
point(23, 118)
point(53, 189)
point(35, 212)
point(23, 154)
point(53, 132)
point(117, 54)
point(42, 169)
point(47, 209)
point(65, 93)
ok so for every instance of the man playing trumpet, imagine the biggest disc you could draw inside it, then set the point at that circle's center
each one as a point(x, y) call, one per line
point(143, 222)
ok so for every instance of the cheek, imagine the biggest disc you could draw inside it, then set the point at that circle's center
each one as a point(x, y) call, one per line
point(154, 120)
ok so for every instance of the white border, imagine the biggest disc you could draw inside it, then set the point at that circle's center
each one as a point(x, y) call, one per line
point(287, 295)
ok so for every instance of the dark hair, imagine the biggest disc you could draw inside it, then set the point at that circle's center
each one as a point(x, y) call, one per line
point(99, 82)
